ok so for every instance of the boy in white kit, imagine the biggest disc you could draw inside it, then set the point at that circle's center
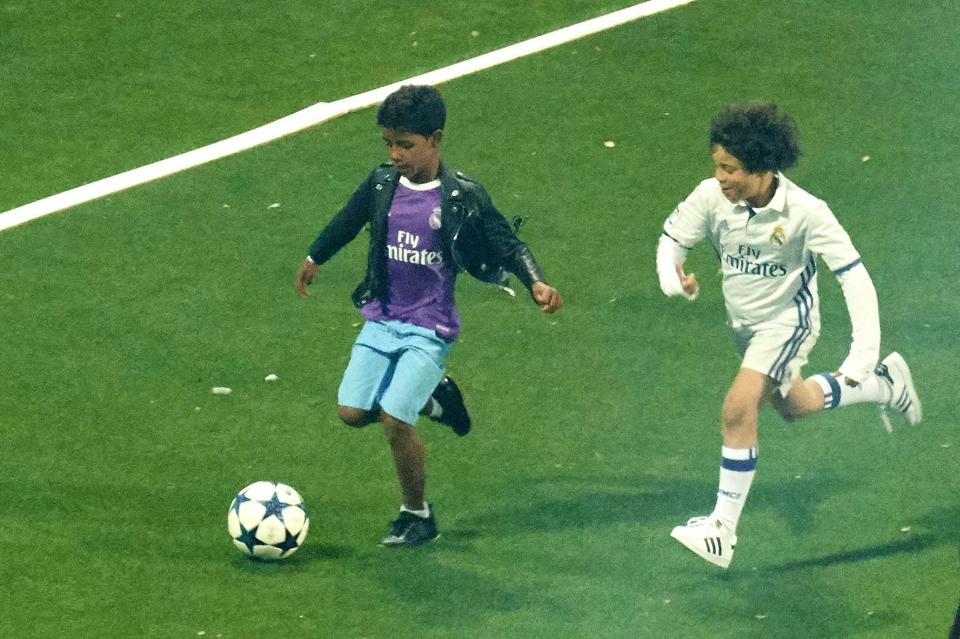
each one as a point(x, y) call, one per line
point(768, 232)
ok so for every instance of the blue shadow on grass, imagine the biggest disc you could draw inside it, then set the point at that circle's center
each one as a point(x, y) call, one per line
point(564, 503)
point(939, 526)
point(876, 551)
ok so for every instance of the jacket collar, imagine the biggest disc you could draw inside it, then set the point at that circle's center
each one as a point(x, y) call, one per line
point(450, 188)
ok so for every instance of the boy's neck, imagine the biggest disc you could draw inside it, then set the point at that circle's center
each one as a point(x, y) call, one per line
point(429, 175)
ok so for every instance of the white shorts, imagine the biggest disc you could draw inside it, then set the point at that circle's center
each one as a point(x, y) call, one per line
point(778, 351)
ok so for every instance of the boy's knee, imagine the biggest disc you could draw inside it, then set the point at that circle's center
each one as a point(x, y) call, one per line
point(804, 399)
point(737, 413)
point(355, 417)
point(787, 410)
point(394, 428)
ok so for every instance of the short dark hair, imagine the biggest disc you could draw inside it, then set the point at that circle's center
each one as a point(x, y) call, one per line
point(759, 134)
point(413, 108)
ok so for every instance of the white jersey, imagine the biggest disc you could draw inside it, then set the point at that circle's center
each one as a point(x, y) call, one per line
point(768, 255)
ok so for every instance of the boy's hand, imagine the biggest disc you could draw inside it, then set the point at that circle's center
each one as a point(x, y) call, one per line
point(688, 281)
point(546, 297)
point(304, 277)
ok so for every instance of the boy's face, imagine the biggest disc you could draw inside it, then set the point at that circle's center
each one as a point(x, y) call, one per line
point(736, 183)
point(417, 157)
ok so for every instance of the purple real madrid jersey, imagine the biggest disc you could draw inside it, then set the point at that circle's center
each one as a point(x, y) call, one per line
point(421, 285)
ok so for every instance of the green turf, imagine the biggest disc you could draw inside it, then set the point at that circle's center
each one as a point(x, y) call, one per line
point(596, 428)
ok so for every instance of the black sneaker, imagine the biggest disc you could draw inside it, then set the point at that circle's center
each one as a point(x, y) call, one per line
point(448, 394)
point(410, 530)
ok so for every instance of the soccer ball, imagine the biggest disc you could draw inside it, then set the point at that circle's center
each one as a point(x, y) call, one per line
point(268, 521)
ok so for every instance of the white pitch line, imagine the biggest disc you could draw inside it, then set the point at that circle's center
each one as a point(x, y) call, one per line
point(322, 112)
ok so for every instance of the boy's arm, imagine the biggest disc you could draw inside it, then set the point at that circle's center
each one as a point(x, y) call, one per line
point(684, 228)
point(516, 257)
point(345, 226)
point(673, 281)
point(828, 238)
point(861, 298)
point(304, 277)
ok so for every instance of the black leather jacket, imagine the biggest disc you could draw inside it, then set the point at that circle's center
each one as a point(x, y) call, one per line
point(476, 237)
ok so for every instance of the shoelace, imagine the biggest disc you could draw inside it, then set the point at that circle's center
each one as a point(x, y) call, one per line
point(698, 521)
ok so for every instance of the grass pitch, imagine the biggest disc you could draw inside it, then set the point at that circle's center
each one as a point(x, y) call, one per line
point(596, 429)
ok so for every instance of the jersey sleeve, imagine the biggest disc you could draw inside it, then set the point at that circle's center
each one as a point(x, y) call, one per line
point(687, 225)
point(829, 240)
point(669, 253)
point(861, 299)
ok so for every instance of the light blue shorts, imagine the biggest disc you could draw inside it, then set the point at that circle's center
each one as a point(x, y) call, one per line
point(393, 366)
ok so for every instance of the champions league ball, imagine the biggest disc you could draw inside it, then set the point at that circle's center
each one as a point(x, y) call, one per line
point(268, 521)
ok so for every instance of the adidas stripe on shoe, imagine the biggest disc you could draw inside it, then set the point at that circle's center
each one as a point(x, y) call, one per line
point(709, 538)
point(904, 398)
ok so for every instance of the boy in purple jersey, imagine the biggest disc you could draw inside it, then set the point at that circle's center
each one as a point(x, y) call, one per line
point(427, 223)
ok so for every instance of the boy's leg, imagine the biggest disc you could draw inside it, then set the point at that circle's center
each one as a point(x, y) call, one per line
point(418, 371)
point(741, 408)
point(357, 417)
point(738, 464)
point(890, 386)
point(409, 457)
point(825, 391)
point(805, 397)
point(772, 358)
point(391, 374)
point(714, 537)
point(417, 524)
point(416, 375)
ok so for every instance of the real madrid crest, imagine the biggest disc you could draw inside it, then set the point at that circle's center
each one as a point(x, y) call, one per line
point(778, 237)
point(435, 220)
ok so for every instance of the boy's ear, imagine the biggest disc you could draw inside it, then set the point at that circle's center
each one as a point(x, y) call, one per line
point(436, 136)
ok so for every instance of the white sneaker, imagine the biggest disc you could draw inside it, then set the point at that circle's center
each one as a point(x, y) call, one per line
point(904, 397)
point(708, 537)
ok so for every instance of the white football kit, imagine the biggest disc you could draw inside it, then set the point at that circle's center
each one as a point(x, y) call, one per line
point(768, 260)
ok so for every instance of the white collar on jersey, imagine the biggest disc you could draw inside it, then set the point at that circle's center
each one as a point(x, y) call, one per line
point(779, 201)
point(426, 186)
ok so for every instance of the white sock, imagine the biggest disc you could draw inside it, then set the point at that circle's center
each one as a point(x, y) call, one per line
point(736, 474)
point(436, 410)
point(836, 393)
point(422, 514)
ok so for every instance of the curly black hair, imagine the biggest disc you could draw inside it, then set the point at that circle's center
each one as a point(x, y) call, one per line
point(759, 134)
point(413, 108)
